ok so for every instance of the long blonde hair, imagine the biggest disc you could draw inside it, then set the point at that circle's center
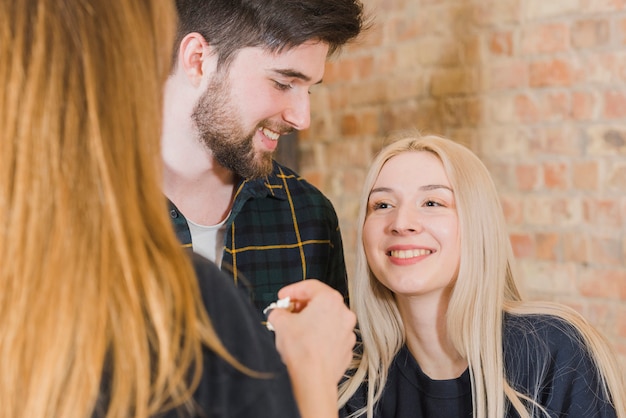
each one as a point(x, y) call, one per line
point(93, 282)
point(484, 291)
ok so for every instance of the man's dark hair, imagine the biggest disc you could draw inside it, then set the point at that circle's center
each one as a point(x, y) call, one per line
point(275, 25)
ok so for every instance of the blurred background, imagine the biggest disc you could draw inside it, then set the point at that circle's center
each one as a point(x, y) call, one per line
point(536, 88)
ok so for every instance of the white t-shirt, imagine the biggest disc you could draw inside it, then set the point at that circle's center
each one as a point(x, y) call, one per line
point(208, 240)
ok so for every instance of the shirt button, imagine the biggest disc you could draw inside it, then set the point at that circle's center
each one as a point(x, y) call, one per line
point(173, 213)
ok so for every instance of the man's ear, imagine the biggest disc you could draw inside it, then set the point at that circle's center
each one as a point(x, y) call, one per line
point(195, 57)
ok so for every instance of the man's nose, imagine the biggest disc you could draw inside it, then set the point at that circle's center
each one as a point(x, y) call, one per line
point(298, 111)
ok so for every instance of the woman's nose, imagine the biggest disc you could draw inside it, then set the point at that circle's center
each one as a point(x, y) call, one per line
point(406, 220)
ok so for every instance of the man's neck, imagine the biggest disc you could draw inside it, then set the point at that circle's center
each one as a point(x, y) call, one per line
point(204, 194)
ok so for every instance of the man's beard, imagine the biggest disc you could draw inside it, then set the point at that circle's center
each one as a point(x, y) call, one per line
point(219, 129)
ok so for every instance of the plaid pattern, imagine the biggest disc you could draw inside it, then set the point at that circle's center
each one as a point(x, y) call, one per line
point(281, 230)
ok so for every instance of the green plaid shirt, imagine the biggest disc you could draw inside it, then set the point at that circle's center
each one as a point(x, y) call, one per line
point(281, 230)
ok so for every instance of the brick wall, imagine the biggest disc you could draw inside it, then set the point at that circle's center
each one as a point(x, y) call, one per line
point(537, 88)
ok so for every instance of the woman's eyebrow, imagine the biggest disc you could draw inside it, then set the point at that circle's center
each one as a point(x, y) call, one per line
point(422, 188)
point(380, 190)
point(435, 187)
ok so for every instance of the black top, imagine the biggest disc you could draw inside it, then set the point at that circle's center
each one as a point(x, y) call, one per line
point(224, 391)
point(543, 356)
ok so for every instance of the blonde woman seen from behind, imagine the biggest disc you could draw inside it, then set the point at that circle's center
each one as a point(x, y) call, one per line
point(444, 330)
point(102, 313)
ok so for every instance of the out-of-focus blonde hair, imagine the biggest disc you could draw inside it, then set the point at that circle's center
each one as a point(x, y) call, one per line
point(92, 278)
point(484, 290)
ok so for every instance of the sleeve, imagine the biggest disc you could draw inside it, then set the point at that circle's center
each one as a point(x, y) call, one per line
point(575, 387)
point(223, 390)
point(558, 370)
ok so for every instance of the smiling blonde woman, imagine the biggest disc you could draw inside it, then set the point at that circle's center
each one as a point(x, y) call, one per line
point(444, 330)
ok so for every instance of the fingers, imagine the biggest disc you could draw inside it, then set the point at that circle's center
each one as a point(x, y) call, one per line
point(319, 332)
point(301, 293)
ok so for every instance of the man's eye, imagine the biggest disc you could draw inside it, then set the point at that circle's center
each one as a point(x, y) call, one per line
point(281, 86)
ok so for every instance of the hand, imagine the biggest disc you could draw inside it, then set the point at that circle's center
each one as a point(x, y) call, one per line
point(315, 340)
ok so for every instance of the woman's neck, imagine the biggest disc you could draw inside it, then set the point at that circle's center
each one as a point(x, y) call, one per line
point(427, 337)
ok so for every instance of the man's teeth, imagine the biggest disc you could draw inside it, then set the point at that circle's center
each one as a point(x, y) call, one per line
point(409, 253)
point(270, 134)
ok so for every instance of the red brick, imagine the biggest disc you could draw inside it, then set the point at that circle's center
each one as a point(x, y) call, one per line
point(551, 72)
point(523, 245)
point(555, 106)
point(556, 176)
point(603, 6)
point(583, 105)
point(541, 9)
point(409, 27)
point(602, 212)
point(372, 92)
point(349, 125)
point(453, 81)
point(489, 12)
point(512, 208)
point(547, 246)
point(386, 62)
point(501, 43)
point(607, 252)
point(605, 283)
point(369, 122)
point(552, 211)
point(614, 105)
point(405, 87)
point(364, 67)
point(576, 247)
point(562, 140)
point(527, 176)
point(462, 112)
point(600, 314)
point(553, 37)
point(407, 115)
point(586, 175)
point(335, 71)
point(604, 140)
point(316, 178)
point(471, 50)
point(590, 33)
point(507, 75)
point(538, 210)
point(526, 109)
point(339, 96)
point(501, 173)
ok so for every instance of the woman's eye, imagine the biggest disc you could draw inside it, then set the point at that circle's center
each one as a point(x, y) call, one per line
point(380, 205)
point(432, 203)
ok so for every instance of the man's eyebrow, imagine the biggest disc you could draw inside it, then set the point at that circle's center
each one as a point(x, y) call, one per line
point(294, 74)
